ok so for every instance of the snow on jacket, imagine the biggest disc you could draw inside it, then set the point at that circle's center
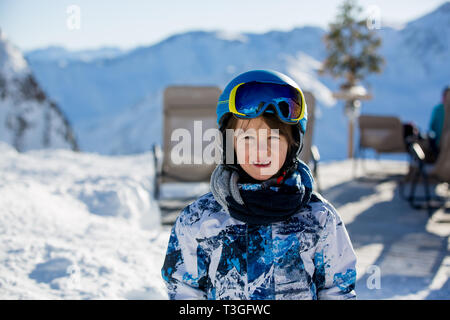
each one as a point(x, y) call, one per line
point(211, 255)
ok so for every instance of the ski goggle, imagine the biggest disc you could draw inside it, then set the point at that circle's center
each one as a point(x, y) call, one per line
point(249, 100)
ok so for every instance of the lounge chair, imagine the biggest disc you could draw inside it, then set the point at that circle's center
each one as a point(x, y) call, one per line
point(383, 134)
point(182, 106)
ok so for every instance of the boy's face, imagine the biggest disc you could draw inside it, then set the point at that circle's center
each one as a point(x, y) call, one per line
point(260, 150)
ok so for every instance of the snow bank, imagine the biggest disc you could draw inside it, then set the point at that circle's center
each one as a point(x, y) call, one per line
point(78, 226)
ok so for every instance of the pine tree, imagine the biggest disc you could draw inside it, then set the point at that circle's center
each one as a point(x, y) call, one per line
point(351, 46)
point(352, 55)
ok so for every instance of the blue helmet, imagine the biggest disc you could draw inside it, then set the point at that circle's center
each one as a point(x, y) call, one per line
point(267, 76)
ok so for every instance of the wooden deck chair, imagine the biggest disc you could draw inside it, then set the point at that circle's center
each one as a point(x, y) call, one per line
point(182, 107)
point(438, 172)
point(383, 134)
point(310, 153)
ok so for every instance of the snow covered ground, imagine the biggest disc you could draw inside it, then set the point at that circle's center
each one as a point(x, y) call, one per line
point(84, 226)
point(78, 226)
point(402, 254)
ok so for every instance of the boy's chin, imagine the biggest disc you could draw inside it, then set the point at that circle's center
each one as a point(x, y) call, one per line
point(263, 174)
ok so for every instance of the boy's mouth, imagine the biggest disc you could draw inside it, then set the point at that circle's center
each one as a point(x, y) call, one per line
point(262, 164)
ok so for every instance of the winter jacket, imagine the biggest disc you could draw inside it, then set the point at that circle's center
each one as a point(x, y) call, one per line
point(437, 122)
point(211, 255)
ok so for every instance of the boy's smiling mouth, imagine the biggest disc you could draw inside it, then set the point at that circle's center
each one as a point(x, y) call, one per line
point(262, 164)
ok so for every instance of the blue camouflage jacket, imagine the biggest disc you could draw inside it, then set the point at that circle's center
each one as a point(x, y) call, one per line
point(211, 255)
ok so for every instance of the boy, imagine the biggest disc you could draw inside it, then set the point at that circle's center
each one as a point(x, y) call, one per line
point(261, 233)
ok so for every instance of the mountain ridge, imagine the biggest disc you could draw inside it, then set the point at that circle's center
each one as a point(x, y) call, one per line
point(28, 119)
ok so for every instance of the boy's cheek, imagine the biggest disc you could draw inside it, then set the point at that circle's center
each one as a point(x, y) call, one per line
point(242, 156)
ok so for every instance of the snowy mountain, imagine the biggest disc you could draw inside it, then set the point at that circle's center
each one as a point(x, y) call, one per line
point(28, 119)
point(126, 92)
point(62, 55)
point(416, 70)
point(115, 103)
point(429, 39)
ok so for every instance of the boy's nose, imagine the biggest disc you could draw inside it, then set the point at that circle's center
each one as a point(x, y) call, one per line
point(263, 150)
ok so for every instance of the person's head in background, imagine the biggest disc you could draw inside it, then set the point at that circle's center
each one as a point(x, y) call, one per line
point(262, 144)
point(446, 96)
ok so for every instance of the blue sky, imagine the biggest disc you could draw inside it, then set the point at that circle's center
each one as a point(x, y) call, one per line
point(31, 24)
